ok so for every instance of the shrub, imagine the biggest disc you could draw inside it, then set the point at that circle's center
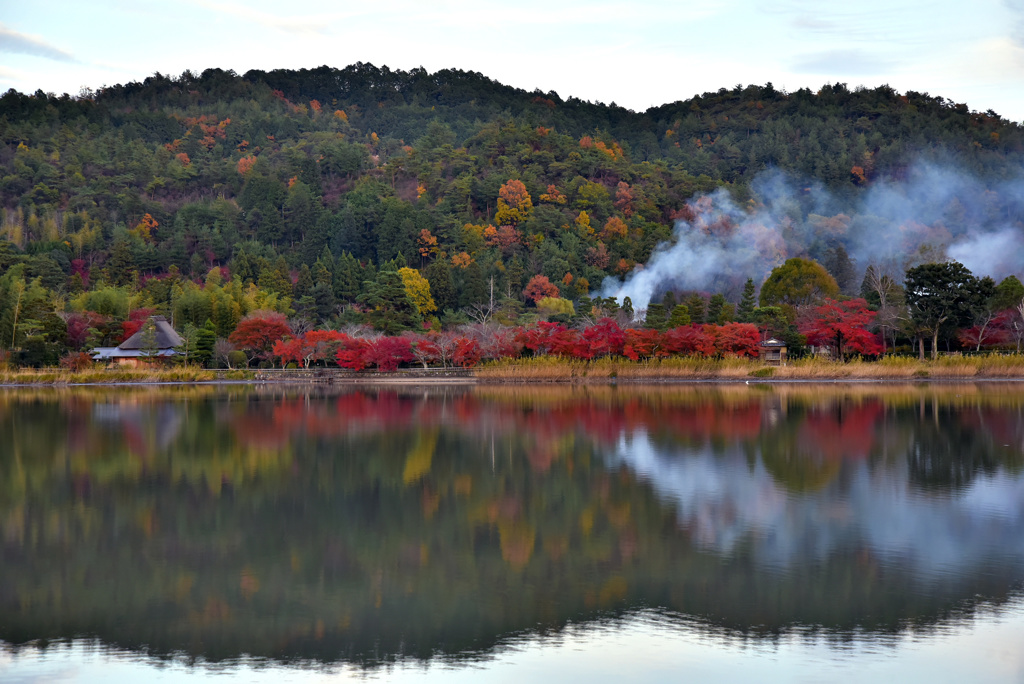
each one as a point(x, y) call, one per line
point(76, 361)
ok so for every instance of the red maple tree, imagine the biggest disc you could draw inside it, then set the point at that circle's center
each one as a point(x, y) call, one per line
point(842, 326)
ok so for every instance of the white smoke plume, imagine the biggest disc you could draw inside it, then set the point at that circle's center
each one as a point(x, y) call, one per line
point(933, 213)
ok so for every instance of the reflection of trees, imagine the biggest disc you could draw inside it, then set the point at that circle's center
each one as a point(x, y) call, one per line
point(362, 525)
point(950, 449)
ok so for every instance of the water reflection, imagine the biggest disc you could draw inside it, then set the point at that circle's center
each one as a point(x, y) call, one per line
point(369, 525)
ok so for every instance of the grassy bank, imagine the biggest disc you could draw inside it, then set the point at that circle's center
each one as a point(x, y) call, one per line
point(554, 369)
point(58, 376)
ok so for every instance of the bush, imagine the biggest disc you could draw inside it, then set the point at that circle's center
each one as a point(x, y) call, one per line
point(76, 361)
point(238, 359)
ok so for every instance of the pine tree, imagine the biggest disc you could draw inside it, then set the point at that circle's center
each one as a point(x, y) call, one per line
point(715, 305)
point(348, 278)
point(442, 287)
point(515, 277)
point(745, 312)
point(656, 318)
point(680, 316)
point(474, 287)
point(304, 283)
point(695, 303)
point(391, 309)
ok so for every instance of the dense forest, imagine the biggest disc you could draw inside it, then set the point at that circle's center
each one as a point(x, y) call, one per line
point(406, 200)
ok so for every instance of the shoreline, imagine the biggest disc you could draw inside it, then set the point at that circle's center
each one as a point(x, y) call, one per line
point(560, 371)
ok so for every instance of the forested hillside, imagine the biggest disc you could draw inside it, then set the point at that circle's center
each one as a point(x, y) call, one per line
point(207, 197)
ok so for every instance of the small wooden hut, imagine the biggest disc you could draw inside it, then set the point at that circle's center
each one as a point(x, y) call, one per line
point(772, 352)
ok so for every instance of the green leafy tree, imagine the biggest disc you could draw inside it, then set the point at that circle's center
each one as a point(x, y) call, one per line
point(939, 295)
point(798, 282)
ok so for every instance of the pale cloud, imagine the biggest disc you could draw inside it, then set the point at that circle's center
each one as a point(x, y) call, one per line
point(25, 44)
point(1016, 8)
point(842, 63)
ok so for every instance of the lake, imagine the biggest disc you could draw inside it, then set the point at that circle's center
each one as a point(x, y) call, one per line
point(724, 532)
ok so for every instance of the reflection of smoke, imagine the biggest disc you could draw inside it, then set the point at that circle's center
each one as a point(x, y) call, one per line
point(934, 212)
point(725, 502)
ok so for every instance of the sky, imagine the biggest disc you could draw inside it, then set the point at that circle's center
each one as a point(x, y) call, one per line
point(638, 54)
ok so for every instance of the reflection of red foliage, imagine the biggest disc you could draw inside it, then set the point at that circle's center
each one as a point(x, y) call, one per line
point(842, 431)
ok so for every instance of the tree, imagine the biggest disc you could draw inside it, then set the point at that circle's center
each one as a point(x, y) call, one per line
point(745, 312)
point(514, 204)
point(697, 306)
point(680, 316)
point(442, 287)
point(715, 306)
point(391, 309)
point(984, 312)
point(418, 289)
point(841, 325)
point(258, 332)
point(939, 294)
point(1010, 296)
point(880, 289)
point(540, 287)
point(798, 282)
point(839, 265)
point(655, 318)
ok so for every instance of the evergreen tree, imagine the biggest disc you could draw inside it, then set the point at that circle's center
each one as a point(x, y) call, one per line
point(304, 283)
point(205, 339)
point(748, 301)
point(715, 305)
point(696, 305)
point(656, 318)
point(680, 316)
point(348, 278)
point(515, 275)
point(442, 286)
point(391, 309)
point(474, 286)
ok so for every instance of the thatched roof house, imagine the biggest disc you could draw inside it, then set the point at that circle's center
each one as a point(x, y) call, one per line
point(133, 351)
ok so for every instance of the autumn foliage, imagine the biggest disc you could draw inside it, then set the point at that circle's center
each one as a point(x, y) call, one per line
point(843, 326)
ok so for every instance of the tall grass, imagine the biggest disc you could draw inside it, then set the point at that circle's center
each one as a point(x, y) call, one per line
point(558, 369)
point(101, 375)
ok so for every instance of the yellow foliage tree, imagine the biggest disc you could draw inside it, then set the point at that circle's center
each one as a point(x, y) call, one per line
point(583, 224)
point(514, 204)
point(418, 289)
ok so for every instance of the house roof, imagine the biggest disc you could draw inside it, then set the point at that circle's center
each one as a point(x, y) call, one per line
point(166, 337)
point(105, 353)
point(773, 343)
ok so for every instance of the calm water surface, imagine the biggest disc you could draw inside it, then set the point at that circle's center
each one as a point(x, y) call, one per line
point(785, 532)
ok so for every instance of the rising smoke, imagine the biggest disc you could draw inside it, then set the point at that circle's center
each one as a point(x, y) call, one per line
point(932, 213)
